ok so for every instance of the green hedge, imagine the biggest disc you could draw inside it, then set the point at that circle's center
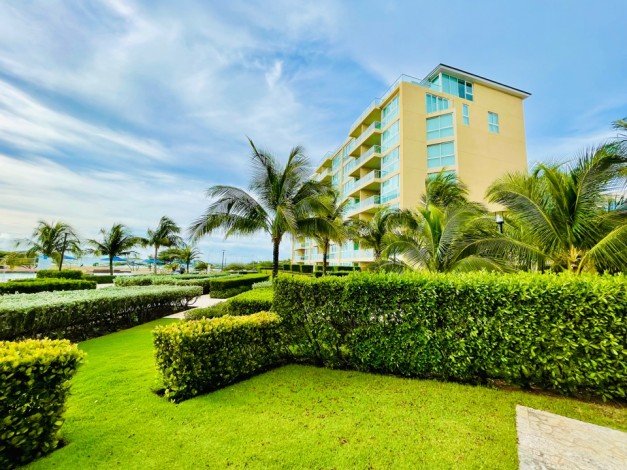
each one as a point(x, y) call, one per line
point(167, 279)
point(215, 311)
point(199, 356)
point(253, 301)
point(100, 279)
point(565, 333)
point(44, 285)
point(78, 315)
point(34, 376)
point(64, 274)
point(126, 281)
point(223, 288)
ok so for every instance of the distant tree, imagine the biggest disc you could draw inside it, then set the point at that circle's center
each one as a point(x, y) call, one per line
point(117, 241)
point(15, 258)
point(188, 254)
point(374, 233)
point(279, 197)
point(166, 234)
point(53, 240)
point(201, 266)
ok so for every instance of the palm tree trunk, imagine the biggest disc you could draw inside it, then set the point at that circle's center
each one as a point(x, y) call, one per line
point(62, 252)
point(325, 250)
point(275, 257)
point(111, 265)
point(155, 260)
point(187, 267)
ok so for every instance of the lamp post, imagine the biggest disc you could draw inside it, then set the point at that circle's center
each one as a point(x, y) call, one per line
point(499, 221)
point(223, 251)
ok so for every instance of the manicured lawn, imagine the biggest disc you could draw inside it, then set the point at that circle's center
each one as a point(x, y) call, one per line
point(295, 416)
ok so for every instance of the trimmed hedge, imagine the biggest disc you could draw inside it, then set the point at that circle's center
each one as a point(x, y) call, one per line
point(199, 356)
point(64, 274)
point(44, 285)
point(79, 315)
point(174, 280)
point(215, 311)
point(126, 281)
point(565, 333)
point(100, 279)
point(253, 301)
point(34, 376)
point(223, 288)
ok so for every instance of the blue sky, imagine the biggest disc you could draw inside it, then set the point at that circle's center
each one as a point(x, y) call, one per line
point(123, 111)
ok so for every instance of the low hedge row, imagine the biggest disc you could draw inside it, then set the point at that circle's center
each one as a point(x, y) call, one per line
point(44, 285)
point(199, 356)
point(34, 376)
point(246, 303)
point(565, 333)
point(100, 279)
point(223, 288)
point(78, 315)
point(175, 280)
point(63, 274)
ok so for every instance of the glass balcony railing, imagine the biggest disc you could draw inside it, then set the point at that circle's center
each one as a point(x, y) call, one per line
point(358, 254)
point(365, 134)
point(364, 204)
point(323, 174)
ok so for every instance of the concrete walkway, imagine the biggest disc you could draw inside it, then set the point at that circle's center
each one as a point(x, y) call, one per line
point(553, 442)
point(202, 301)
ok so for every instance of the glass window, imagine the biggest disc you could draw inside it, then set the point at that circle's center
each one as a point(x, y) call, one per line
point(390, 112)
point(457, 86)
point(465, 114)
point(493, 122)
point(439, 155)
point(436, 103)
point(431, 176)
point(390, 189)
point(440, 126)
point(390, 163)
point(390, 137)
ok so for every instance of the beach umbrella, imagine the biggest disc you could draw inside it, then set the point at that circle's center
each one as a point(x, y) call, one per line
point(115, 258)
point(68, 257)
point(150, 261)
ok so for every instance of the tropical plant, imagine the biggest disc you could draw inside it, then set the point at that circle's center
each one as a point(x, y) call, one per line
point(374, 233)
point(188, 254)
point(164, 235)
point(117, 241)
point(16, 258)
point(53, 240)
point(279, 197)
point(328, 225)
point(560, 213)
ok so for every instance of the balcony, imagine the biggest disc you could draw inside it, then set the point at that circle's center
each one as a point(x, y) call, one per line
point(369, 136)
point(370, 181)
point(367, 159)
point(367, 205)
point(358, 255)
point(324, 175)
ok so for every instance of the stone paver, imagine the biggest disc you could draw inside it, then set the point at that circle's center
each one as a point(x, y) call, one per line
point(551, 442)
point(202, 301)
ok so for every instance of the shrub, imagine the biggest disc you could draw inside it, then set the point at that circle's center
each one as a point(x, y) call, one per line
point(246, 303)
point(79, 315)
point(34, 376)
point(104, 279)
point(205, 283)
point(199, 356)
point(262, 285)
point(286, 267)
point(124, 281)
point(223, 288)
point(64, 274)
point(215, 311)
point(307, 268)
point(44, 285)
point(295, 268)
point(564, 333)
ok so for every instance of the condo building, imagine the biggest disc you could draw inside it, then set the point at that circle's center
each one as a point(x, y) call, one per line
point(452, 121)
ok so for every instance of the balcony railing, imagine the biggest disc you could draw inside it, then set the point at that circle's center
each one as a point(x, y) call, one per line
point(358, 254)
point(323, 174)
point(365, 134)
point(366, 203)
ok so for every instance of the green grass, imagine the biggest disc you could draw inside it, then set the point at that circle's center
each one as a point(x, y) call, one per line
point(293, 417)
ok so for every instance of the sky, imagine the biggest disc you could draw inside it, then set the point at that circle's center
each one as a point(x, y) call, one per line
point(124, 111)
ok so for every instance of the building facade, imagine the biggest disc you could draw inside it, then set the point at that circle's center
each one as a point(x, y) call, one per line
point(451, 121)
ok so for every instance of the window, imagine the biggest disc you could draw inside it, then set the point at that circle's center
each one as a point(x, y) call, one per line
point(440, 126)
point(389, 112)
point(457, 86)
point(440, 155)
point(390, 163)
point(390, 189)
point(466, 114)
point(390, 137)
point(431, 176)
point(493, 122)
point(335, 164)
point(436, 103)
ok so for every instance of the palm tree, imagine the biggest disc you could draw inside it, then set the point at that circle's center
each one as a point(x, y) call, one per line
point(117, 241)
point(279, 197)
point(563, 212)
point(53, 240)
point(328, 225)
point(188, 254)
point(166, 234)
point(374, 233)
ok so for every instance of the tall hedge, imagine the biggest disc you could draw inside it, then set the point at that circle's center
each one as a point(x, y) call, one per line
point(34, 376)
point(565, 333)
point(78, 315)
point(199, 356)
point(174, 280)
point(223, 288)
point(44, 285)
point(63, 274)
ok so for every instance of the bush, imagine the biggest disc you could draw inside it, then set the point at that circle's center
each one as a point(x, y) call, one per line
point(34, 376)
point(79, 315)
point(44, 285)
point(223, 288)
point(215, 311)
point(258, 300)
point(125, 281)
point(64, 274)
point(307, 268)
point(564, 333)
point(199, 356)
point(262, 285)
point(104, 279)
point(295, 268)
point(203, 281)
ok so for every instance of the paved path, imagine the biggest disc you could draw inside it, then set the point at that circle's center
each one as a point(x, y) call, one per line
point(553, 442)
point(202, 301)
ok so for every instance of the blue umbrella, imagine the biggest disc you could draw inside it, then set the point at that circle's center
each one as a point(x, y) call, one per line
point(115, 258)
point(67, 257)
point(150, 261)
